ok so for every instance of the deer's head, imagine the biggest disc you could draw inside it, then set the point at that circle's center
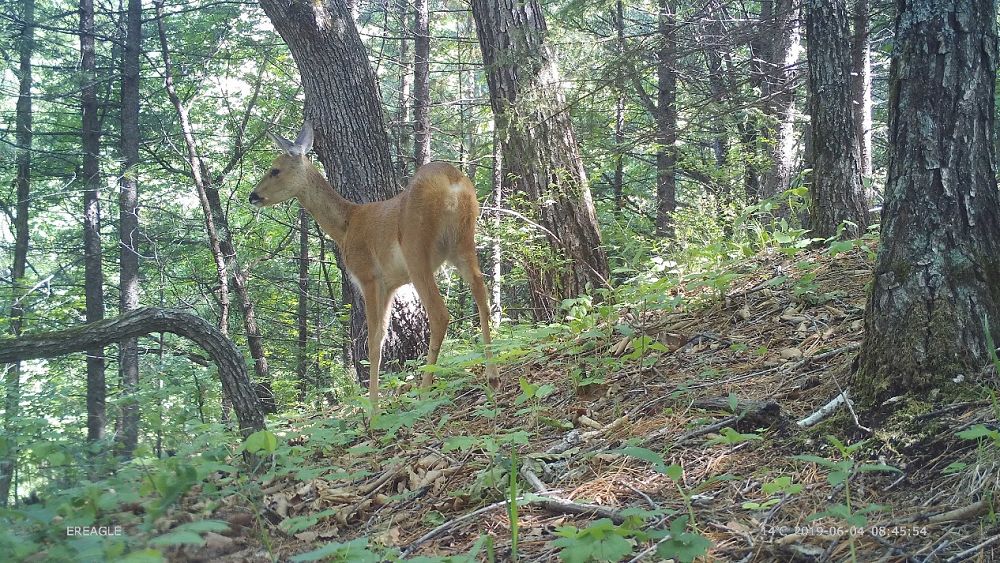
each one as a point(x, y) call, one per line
point(288, 175)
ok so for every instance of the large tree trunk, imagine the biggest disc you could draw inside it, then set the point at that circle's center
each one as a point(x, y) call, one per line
point(937, 276)
point(540, 154)
point(342, 102)
point(836, 190)
point(22, 181)
point(93, 272)
point(421, 84)
point(236, 383)
point(128, 216)
point(666, 121)
point(775, 54)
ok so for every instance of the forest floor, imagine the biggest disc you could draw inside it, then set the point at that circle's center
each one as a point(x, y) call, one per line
point(631, 448)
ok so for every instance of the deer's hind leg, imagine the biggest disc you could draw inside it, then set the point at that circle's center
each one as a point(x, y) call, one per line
point(421, 268)
point(467, 263)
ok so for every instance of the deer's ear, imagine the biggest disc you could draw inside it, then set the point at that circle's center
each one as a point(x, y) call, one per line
point(304, 142)
point(282, 143)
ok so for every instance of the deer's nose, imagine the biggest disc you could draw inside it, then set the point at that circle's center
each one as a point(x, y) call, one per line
point(254, 198)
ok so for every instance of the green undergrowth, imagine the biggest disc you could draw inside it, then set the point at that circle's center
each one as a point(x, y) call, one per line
point(131, 513)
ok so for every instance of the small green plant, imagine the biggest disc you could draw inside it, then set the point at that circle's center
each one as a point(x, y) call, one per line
point(683, 545)
point(674, 471)
point(354, 551)
point(601, 541)
point(782, 486)
point(840, 473)
point(533, 393)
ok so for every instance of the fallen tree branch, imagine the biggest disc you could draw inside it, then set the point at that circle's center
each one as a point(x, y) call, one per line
point(236, 383)
point(824, 411)
point(443, 527)
point(554, 504)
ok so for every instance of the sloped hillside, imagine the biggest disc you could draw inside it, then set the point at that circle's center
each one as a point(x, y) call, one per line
point(662, 428)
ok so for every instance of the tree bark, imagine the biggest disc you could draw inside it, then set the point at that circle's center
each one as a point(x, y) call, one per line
point(403, 126)
point(302, 311)
point(775, 54)
point(344, 106)
point(421, 84)
point(236, 383)
point(861, 83)
point(618, 181)
point(22, 181)
point(541, 158)
point(836, 190)
point(666, 121)
point(93, 272)
point(937, 275)
point(128, 362)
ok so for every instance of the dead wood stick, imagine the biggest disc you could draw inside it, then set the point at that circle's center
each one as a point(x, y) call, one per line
point(443, 527)
point(964, 513)
point(961, 556)
point(824, 411)
point(555, 504)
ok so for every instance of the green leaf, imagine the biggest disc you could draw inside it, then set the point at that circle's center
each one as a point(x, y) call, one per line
point(979, 431)
point(462, 443)
point(354, 551)
point(261, 441)
point(683, 546)
point(601, 541)
point(204, 526)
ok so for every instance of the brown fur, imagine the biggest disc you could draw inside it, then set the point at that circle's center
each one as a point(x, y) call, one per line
point(389, 243)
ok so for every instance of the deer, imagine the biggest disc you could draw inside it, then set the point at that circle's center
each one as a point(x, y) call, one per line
point(386, 244)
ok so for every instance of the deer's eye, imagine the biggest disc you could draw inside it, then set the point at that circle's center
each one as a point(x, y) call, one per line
point(275, 172)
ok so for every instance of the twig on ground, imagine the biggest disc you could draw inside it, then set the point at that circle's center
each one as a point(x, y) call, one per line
point(443, 527)
point(555, 504)
point(963, 555)
point(824, 411)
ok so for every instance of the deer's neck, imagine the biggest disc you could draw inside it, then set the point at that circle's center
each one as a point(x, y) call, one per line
point(326, 206)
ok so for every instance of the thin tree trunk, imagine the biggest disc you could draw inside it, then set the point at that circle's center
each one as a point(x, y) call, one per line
point(421, 84)
point(302, 312)
point(541, 156)
point(496, 258)
point(836, 191)
point(861, 83)
point(342, 102)
point(775, 54)
point(403, 125)
point(128, 363)
point(93, 276)
point(666, 121)
point(22, 181)
point(219, 234)
point(617, 185)
point(197, 171)
point(934, 295)
point(236, 384)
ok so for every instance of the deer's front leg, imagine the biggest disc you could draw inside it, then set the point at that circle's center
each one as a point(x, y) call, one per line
point(376, 307)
